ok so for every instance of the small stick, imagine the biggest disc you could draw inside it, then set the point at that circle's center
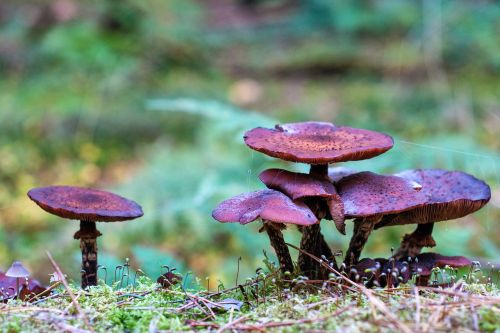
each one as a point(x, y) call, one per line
point(77, 296)
point(73, 298)
point(232, 322)
point(49, 289)
point(238, 271)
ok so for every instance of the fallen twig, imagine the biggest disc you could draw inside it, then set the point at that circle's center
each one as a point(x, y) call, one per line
point(73, 298)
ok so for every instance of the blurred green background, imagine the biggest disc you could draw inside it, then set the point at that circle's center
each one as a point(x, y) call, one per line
point(149, 98)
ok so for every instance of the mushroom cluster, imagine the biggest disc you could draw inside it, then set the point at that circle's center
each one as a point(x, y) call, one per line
point(420, 197)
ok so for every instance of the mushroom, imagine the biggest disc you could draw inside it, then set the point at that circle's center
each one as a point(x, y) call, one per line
point(368, 197)
point(367, 270)
point(450, 195)
point(392, 272)
point(303, 187)
point(317, 144)
point(89, 206)
point(17, 270)
point(315, 192)
point(29, 287)
point(424, 263)
point(275, 209)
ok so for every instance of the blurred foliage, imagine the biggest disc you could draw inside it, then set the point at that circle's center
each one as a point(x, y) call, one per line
point(150, 99)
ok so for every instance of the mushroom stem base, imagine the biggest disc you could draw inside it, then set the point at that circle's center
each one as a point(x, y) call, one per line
point(278, 243)
point(87, 235)
point(314, 243)
point(362, 230)
point(412, 244)
point(309, 244)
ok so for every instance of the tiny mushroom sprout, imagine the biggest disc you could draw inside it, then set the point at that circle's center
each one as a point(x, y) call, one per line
point(89, 206)
point(17, 271)
point(10, 283)
point(367, 198)
point(275, 209)
point(450, 195)
point(317, 144)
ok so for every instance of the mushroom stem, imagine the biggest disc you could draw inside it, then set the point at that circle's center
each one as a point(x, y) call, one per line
point(319, 170)
point(324, 250)
point(310, 244)
point(17, 287)
point(312, 240)
point(412, 244)
point(87, 235)
point(278, 243)
point(362, 230)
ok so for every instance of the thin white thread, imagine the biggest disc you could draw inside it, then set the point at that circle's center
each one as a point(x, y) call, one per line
point(491, 157)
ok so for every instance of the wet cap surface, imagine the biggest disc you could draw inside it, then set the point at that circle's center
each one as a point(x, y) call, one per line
point(85, 204)
point(268, 205)
point(317, 142)
point(367, 194)
point(450, 195)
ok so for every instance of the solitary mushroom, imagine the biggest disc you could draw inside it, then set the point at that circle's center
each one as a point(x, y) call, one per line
point(275, 209)
point(18, 271)
point(368, 197)
point(317, 144)
point(89, 206)
point(450, 195)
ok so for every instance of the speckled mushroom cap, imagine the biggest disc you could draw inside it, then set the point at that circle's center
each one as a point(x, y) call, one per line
point(301, 186)
point(78, 203)
point(367, 194)
point(317, 142)
point(268, 205)
point(450, 195)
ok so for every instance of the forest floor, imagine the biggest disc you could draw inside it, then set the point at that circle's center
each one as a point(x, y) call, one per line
point(262, 303)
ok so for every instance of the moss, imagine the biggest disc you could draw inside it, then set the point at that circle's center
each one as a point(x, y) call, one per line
point(272, 308)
